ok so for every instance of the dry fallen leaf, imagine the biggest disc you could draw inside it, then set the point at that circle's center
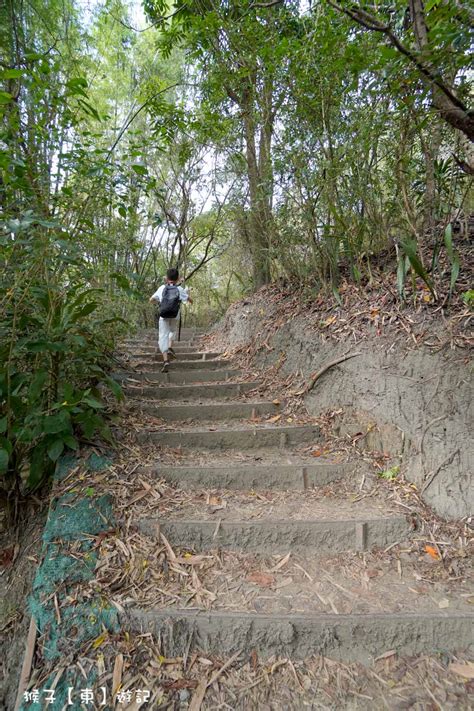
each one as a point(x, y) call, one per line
point(190, 559)
point(117, 674)
point(205, 662)
point(281, 563)
point(100, 665)
point(264, 580)
point(199, 694)
point(386, 655)
point(466, 670)
point(100, 640)
point(8, 555)
point(137, 497)
point(176, 684)
point(431, 550)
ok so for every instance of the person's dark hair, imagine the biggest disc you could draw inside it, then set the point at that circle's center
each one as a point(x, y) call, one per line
point(172, 274)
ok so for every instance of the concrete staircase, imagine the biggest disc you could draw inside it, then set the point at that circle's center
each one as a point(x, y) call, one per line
point(278, 509)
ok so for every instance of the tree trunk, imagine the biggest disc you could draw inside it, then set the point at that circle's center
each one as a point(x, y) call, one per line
point(260, 177)
point(430, 151)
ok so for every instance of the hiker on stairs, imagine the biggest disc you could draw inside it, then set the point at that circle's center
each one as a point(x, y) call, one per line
point(169, 296)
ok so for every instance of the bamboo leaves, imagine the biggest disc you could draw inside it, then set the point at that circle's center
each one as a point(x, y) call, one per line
point(453, 257)
point(409, 248)
point(408, 258)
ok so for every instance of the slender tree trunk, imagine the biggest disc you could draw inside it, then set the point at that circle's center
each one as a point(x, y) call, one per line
point(260, 177)
point(430, 150)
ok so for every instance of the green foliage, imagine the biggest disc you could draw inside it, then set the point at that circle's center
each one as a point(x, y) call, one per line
point(390, 474)
point(410, 250)
point(468, 298)
point(241, 141)
point(58, 319)
point(327, 131)
point(54, 359)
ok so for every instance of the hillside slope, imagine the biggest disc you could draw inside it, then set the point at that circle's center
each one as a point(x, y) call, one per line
point(407, 392)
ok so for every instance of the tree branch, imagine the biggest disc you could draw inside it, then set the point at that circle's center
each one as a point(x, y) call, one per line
point(157, 22)
point(272, 3)
point(451, 108)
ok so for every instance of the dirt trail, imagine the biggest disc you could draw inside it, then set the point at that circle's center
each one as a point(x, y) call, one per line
point(289, 556)
point(232, 557)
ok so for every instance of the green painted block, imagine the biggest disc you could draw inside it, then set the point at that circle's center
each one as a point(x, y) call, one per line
point(68, 561)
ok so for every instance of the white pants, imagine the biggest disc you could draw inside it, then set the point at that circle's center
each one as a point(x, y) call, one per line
point(166, 332)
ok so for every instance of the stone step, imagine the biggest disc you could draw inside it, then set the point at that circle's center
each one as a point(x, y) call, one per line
point(186, 333)
point(200, 356)
point(153, 338)
point(252, 504)
point(299, 475)
point(153, 333)
point(177, 376)
point(179, 349)
point(185, 365)
point(183, 392)
point(326, 536)
point(154, 354)
point(184, 347)
point(215, 411)
point(346, 583)
point(151, 351)
point(237, 438)
point(152, 345)
point(351, 638)
point(152, 341)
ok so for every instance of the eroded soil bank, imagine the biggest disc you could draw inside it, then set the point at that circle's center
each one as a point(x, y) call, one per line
point(407, 392)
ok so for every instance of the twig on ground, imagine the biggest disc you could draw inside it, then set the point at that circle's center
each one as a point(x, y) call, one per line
point(321, 372)
point(27, 662)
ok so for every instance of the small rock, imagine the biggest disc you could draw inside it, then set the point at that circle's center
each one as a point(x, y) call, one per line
point(184, 695)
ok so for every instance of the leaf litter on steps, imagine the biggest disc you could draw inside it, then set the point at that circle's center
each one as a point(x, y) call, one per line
point(131, 565)
point(277, 684)
point(146, 572)
point(402, 682)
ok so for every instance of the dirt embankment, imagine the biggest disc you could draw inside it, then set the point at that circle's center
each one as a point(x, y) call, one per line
point(407, 392)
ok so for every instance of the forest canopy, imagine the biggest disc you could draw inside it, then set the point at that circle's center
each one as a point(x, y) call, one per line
point(244, 142)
